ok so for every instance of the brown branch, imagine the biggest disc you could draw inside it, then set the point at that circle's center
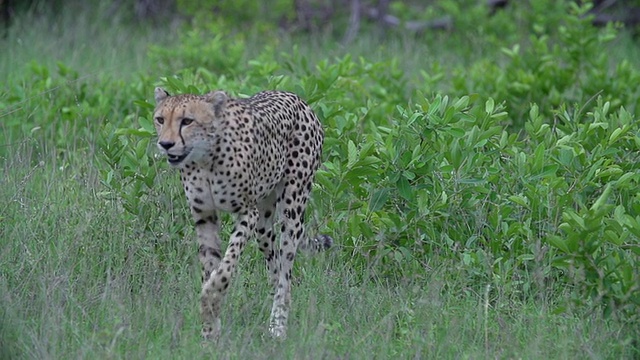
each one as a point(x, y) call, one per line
point(354, 22)
point(630, 18)
point(443, 23)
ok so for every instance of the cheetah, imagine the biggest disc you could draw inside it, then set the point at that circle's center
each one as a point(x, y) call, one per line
point(254, 158)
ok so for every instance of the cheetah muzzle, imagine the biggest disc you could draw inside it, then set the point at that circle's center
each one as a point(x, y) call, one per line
point(176, 159)
point(256, 159)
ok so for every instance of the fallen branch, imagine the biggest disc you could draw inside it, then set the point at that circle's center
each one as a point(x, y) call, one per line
point(443, 23)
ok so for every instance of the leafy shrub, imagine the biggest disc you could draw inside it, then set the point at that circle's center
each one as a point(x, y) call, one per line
point(446, 177)
point(202, 47)
point(400, 181)
point(567, 64)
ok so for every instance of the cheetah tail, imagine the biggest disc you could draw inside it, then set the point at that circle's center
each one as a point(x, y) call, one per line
point(316, 244)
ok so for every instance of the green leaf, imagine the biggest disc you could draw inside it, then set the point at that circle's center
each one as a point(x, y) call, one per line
point(378, 199)
point(625, 179)
point(571, 216)
point(461, 103)
point(135, 132)
point(612, 171)
point(602, 199)
point(613, 237)
point(359, 172)
point(546, 172)
point(367, 161)
point(489, 106)
point(409, 175)
point(404, 188)
point(520, 200)
point(559, 243)
point(538, 158)
point(352, 154)
point(615, 135)
point(455, 132)
point(143, 105)
point(146, 124)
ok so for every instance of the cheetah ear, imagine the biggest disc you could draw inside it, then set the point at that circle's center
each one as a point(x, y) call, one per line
point(218, 99)
point(160, 94)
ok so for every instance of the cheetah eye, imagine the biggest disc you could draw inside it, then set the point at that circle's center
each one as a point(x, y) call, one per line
point(186, 121)
point(160, 120)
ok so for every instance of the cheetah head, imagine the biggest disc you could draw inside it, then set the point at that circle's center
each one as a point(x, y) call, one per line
point(187, 123)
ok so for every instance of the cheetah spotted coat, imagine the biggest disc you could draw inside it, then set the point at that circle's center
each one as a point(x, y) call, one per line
point(255, 158)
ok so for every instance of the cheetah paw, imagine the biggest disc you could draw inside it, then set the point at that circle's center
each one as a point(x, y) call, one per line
point(278, 332)
point(211, 333)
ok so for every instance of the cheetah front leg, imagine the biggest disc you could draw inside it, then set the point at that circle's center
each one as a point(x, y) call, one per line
point(207, 230)
point(216, 286)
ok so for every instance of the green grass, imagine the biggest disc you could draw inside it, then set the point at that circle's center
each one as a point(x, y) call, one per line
point(85, 39)
point(78, 282)
point(79, 278)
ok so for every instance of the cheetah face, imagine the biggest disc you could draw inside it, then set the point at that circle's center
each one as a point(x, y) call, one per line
point(186, 124)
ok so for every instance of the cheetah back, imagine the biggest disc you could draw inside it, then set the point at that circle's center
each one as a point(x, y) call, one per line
point(287, 137)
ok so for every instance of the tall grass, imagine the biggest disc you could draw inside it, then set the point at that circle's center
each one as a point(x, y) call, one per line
point(87, 39)
point(78, 282)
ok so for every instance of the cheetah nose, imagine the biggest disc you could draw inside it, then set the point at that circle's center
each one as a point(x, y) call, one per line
point(166, 144)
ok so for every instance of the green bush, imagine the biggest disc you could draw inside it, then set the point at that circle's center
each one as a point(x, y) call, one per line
point(564, 65)
point(554, 202)
point(201, 48)
point(524, 174)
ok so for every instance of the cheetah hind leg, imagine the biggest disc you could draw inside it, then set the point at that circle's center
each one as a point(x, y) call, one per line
point(291, 208)
point(280, 311)
point(266, 236)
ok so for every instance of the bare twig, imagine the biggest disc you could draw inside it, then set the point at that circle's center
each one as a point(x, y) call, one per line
point(354, 23)
point(443, 23)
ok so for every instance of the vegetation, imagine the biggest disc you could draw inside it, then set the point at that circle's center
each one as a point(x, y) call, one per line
point(480, 183)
